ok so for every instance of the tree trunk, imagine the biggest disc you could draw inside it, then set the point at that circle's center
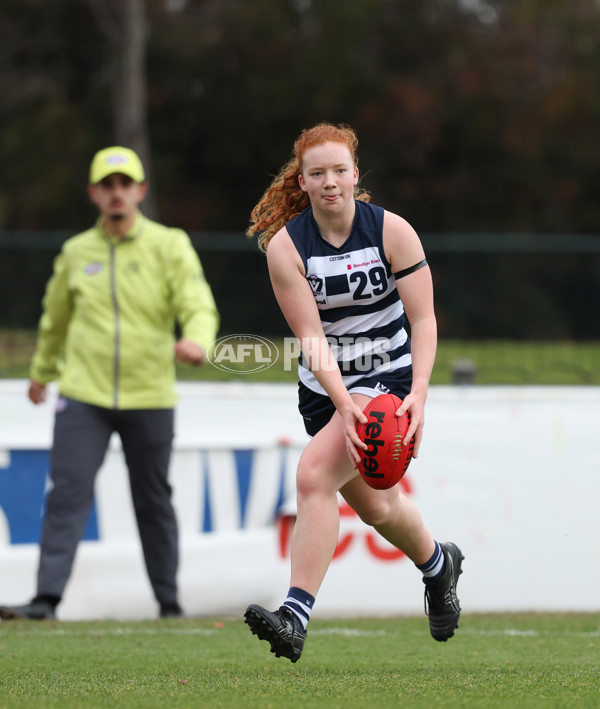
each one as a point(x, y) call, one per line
point(125, 27)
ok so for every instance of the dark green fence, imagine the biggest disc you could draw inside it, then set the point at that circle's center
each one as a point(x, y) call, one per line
point(519, 288)
point(488, 286)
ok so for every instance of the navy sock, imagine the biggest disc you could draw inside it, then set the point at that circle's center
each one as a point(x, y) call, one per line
point(300, 603)
point(434, 567)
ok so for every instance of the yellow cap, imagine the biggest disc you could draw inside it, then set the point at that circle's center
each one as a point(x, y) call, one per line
point(116, 159)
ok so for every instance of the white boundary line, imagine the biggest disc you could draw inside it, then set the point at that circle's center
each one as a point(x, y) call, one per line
point(346, 632)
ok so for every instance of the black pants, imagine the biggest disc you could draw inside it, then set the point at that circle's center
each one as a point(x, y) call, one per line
point(81, 436)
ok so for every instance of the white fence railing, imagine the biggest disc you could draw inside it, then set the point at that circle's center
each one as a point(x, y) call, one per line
point(511, 474)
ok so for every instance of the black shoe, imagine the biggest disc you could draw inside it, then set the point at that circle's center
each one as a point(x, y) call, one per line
point(36, 610)
point(441, 602)
point(281, 628)
point(171, 610)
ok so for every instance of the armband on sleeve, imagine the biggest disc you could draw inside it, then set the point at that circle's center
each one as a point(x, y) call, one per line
point(411, 269)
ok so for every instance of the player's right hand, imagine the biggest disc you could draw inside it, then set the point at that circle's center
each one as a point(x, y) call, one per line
point(351, 415)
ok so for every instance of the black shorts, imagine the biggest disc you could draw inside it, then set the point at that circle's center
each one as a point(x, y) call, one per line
point(317, 409)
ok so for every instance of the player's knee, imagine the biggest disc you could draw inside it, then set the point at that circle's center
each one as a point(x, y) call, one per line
point(376, 513)
point(311, 479)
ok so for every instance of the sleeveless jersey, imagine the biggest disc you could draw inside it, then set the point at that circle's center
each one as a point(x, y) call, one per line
point(361, 312)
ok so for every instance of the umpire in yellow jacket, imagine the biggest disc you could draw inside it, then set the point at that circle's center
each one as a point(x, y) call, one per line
point(107, 336)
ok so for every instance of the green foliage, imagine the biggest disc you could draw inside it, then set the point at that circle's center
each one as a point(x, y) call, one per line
point(52, 111)
point(471, 116)
point(493, 661)
point(494, 362)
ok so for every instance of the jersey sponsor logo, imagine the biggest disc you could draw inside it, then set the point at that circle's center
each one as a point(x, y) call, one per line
point(93, 268)
point(341, 257)
point(364, 264)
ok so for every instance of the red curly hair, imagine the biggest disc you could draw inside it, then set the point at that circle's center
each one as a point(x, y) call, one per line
point(284, 199)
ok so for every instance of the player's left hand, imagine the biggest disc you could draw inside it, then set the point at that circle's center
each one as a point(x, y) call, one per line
point(414, 403)
point(189, 352)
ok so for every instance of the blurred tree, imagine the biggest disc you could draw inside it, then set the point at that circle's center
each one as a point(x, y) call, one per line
point(473, 116)
point(47, 76)
point(123, 23)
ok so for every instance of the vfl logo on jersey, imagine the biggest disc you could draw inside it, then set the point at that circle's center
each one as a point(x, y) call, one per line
point(93, 268)
point(317, 284)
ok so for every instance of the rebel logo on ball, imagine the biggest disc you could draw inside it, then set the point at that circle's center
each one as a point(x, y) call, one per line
point(388, 453)
point(373, 442)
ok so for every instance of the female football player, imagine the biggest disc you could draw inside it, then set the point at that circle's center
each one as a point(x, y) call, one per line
point(346, 274)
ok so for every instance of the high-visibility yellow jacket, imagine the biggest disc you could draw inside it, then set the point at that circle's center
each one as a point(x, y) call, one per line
point(107, 331)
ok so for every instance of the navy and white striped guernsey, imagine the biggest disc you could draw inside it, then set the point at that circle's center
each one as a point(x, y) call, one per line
point(361, 312)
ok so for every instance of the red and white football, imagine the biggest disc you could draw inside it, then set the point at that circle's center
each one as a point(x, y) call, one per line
point(386, 459)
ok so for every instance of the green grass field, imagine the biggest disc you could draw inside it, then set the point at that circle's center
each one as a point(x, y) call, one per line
point(496, 362)
point(498, 660)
